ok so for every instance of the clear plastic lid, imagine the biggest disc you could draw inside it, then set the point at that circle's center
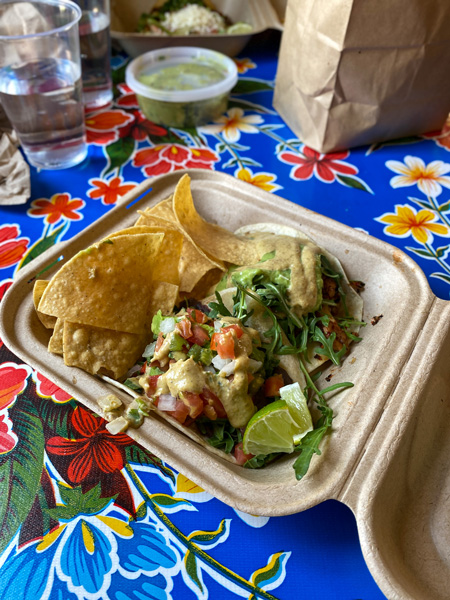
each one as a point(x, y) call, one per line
point(154, 62)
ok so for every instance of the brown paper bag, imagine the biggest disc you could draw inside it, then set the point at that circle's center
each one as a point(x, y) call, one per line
point(356, 72)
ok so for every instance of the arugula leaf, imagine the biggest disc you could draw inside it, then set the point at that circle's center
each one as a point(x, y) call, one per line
point(220, 434)
point(218, 308)
point(133, 385)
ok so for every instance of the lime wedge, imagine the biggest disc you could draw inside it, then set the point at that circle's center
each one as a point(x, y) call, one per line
point(239, 28)
point(298, 408)
point(271, 429)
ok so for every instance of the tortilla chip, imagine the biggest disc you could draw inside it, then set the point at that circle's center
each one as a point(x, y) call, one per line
point(165, 266)
point(216, 241)
point(38, 289)
point(163, 209)
point(55, 343)
point(194, 263)
point(107, 285)
point(164, 297)
point(101, 350)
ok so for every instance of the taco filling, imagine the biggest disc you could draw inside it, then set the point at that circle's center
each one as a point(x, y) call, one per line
point(209, 374)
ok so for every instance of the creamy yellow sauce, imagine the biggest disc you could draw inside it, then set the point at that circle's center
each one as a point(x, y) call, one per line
point(300, 257)
point(189, 376)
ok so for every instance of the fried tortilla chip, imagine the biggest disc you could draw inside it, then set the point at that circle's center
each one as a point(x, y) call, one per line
point(217, 242)
point(164, 297)
point(55, 343)
point(165, 266)
point(98, 350)
point(194, 264)
point(107, 285)
point(38, 289)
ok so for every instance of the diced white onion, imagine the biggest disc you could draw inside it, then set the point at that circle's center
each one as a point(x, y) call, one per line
point(228, 369)
point(254, 365)
point(167, 402)
point(217, 325)
point(149, 350)
point(167, 325)
point(109, 402)
point(219, 363)
point(119, 425)
point(209, 368)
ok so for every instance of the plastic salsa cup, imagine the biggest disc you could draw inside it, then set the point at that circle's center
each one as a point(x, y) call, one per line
point(182, 86)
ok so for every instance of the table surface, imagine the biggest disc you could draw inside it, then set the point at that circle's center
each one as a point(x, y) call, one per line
point(80, 512)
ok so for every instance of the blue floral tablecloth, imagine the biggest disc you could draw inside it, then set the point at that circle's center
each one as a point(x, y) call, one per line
point(88, 515)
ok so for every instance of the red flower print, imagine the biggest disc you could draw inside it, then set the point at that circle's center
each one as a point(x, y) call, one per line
point(166, 158)
point(141, 128)
point(8, 438)
point(109, 191)
point(201, 158)
point(95, 450)
point(104, 127)
point(128, 98)
point(93, 457)
point(12, 248)
point(322, 166)
point(4, 287)
point(48, 389)
point(59, 206)
point(13, 380)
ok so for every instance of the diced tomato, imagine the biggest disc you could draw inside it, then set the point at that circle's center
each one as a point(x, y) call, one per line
point(184, 327)
point(142, 369)
point(180, 413)
point(194, 403)
point(236, 328)
point(197, 316)
point(199, 335)
point(214, 402)
point(152, 384)
point(272, 385)
point(239, 455)
point(250, 377)
point(223, 344)
point(159, 342)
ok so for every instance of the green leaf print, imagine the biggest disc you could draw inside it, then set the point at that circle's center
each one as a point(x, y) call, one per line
point(249, 85)
point(21, 469)
point(119, 153)
point(42, 245)
point(190, 563)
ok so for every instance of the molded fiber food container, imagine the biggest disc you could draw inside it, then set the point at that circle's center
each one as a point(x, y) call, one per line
point(260, 14)
point(182, 86)
point(387, 457)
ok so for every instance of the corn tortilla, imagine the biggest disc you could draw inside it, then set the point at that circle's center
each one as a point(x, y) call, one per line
point(107, 285)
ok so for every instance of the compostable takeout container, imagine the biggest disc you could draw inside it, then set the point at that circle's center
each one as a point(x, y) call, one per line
point(201, 100)
point(260, 14)
point(387, 457)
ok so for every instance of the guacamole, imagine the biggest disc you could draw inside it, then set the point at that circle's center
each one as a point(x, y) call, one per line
point(184, 76)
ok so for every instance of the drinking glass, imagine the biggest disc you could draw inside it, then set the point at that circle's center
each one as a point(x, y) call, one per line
point(40, 80)
point(95, 44)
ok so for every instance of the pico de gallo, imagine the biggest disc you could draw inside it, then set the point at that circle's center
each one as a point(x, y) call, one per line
point(208, 374)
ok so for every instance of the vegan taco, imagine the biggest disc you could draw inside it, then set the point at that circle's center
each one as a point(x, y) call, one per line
point(208, 374)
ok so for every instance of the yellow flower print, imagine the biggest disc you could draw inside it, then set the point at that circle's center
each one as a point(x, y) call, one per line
point(244, 64)
point(428, 178)
point(406, 221)
point(263, 181)
point(232, 123)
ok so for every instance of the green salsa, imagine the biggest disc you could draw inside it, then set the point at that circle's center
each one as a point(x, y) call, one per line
point(186, 76)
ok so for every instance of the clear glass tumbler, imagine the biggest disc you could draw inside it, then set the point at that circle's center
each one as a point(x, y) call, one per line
point(40, 80)
point(95, 43)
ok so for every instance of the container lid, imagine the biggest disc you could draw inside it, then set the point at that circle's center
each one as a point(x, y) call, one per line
point(214, 74)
